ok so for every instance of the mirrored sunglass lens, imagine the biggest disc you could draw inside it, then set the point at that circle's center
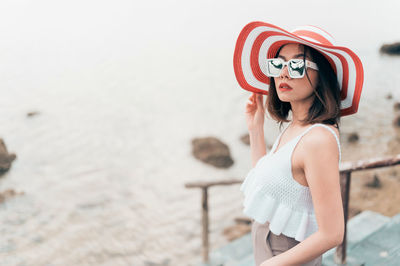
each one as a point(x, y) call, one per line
point(274, 66)
point(296, 67)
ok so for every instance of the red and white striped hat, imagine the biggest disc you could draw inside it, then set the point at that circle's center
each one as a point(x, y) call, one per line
point(259, 40)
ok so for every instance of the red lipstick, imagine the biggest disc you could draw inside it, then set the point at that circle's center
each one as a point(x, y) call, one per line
point(284, 87)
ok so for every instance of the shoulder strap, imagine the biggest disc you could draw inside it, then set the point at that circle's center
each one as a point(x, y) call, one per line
point(331, 130)
point(278, 137)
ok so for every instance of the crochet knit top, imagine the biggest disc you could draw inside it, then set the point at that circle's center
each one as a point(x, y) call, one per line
point(271, 193)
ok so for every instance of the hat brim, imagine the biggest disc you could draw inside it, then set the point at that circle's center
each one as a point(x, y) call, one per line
point(260, 39)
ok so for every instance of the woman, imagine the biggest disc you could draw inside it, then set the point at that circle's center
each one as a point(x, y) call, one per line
point(293, 192)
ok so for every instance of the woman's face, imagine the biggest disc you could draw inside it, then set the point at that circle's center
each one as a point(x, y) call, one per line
point(301, 87)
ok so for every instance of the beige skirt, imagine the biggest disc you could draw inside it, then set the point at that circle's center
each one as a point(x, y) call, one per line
point(266, 244)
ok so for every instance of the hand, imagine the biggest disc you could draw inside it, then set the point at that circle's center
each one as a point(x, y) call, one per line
point(255, 112)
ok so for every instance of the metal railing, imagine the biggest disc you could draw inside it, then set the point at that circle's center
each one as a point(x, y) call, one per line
point(345, 168)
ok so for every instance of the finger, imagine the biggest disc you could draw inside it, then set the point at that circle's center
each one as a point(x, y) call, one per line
point(250, 99)
point(250, 109)
point(259, 100)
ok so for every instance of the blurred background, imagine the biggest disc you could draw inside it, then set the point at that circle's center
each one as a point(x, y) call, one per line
point(100, 101)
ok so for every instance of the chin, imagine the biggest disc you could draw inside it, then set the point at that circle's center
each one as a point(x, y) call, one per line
point(284, 99)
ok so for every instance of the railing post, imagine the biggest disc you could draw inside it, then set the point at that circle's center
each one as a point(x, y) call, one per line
point(340, 254)
point(204, 204)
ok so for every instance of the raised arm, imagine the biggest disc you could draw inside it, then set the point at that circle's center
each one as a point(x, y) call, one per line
point(255, 113)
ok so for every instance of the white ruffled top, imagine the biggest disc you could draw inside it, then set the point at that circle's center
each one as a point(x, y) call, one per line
point(273, 195)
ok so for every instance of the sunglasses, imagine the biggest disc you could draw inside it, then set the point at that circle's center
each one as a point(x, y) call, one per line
point(296, 67)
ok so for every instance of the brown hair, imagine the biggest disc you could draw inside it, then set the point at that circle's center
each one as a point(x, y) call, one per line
point(326, 106)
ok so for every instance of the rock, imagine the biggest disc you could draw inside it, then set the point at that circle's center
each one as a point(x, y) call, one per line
point(375, 183)
point(9, 193)
point(391, 49)
point(389, 96)
point(5, 158)
point(396, 106)
point(32, 113)
point(236, 231)
point(245, 139)
point(212, 151)
point(396, 121)
point(353, 137)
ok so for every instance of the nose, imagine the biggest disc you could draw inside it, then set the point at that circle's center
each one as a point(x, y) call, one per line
point(284, 73)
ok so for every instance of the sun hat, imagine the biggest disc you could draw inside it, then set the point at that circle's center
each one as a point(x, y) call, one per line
point(259, 40)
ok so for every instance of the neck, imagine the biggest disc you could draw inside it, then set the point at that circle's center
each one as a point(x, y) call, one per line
point(297, 117)
point(300, 111)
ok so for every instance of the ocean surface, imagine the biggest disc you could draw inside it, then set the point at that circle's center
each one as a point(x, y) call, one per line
point(121, 88)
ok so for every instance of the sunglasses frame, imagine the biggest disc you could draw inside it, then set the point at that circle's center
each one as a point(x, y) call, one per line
point(308, 64)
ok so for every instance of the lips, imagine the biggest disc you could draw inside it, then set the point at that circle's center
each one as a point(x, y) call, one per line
point(284, 86)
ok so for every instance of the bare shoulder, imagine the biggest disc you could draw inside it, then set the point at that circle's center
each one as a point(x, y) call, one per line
point(320, 141)
point(334, 129)
point(320, 135)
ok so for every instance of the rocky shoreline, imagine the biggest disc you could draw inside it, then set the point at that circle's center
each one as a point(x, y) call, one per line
point(6, 160)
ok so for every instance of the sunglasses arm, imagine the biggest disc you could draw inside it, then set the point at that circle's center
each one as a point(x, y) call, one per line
point(311, 65)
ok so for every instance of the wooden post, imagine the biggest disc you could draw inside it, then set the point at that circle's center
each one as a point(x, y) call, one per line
point(204, 204)
point(340, 254)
